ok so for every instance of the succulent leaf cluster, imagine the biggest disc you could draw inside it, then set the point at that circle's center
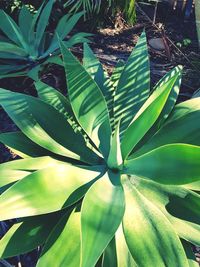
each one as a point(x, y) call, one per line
point(110, 172)
point(28, 45)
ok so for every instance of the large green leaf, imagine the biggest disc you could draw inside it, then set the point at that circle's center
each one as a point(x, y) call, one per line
point(33, 73)
point(95, 69)
point(147, 115)
point(134, 84)
point(54, 59)
point(87, 102)
point(101, 215)
point(63, 243)
point(54, 98)
point(183, 126)
point(33, 51)
point(11, 70)
point(149, 235)
point(10, 56)
point(110, 256)
point(169, 164)
point(23, 146)
point(28, 235)
point(46, 190)
point(169, 105)
point(180, 206)
point(117, 73)
point(9, 75)
point(25, 21)
point(64, 27)
point(10, 28)
point(124, 257)
point(17, 169)
point(62, 105)
point(12, 48)
point(34, 118)
point(42, 23)
point(80, 37)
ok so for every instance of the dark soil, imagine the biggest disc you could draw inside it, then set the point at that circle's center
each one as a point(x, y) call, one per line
point(111, 44)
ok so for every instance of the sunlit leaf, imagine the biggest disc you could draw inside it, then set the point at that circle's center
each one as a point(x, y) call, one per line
point(180, 206)
point(134, 84)
point(42, 22)
point(68, 184)
point(87, 102)
point(149, 113)
point(34, 118)
point(183, 126)
point(100, 217)
point(17, 169)
point(168, 107)
point(67, 253)
point(29, 234)
point(170, 164)
point(153, 236)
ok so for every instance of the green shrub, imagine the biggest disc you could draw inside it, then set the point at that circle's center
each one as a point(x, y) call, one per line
point(111, 173)
point(28, 45)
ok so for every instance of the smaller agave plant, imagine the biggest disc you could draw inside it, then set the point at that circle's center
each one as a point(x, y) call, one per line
point(26, 46)
point(110, 174)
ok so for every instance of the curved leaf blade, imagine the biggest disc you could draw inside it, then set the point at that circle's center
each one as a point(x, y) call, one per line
point(115, 158)
point(95, 69)
point(167, 109)
point(193, 186)
point(109, 256)
point(183, 126)
point(174, 164)
point(87, 102)
point(10, 28)
point(28, 235)
point(23, 146)
point(42, 23)
point(153, 236)
point(101, 215)
point(54, 98)
point(34, 118)
point(134, 84)
point(117, 73)
point(180, 206)
point(17, 169)
point(147, 115)
point(124, 257)
point(66, 234)
point(64, 27)
point(12, 48)
point(54, 188)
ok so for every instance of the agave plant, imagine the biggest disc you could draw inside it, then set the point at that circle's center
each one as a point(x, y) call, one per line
point(25, 47)
point(110, 172)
